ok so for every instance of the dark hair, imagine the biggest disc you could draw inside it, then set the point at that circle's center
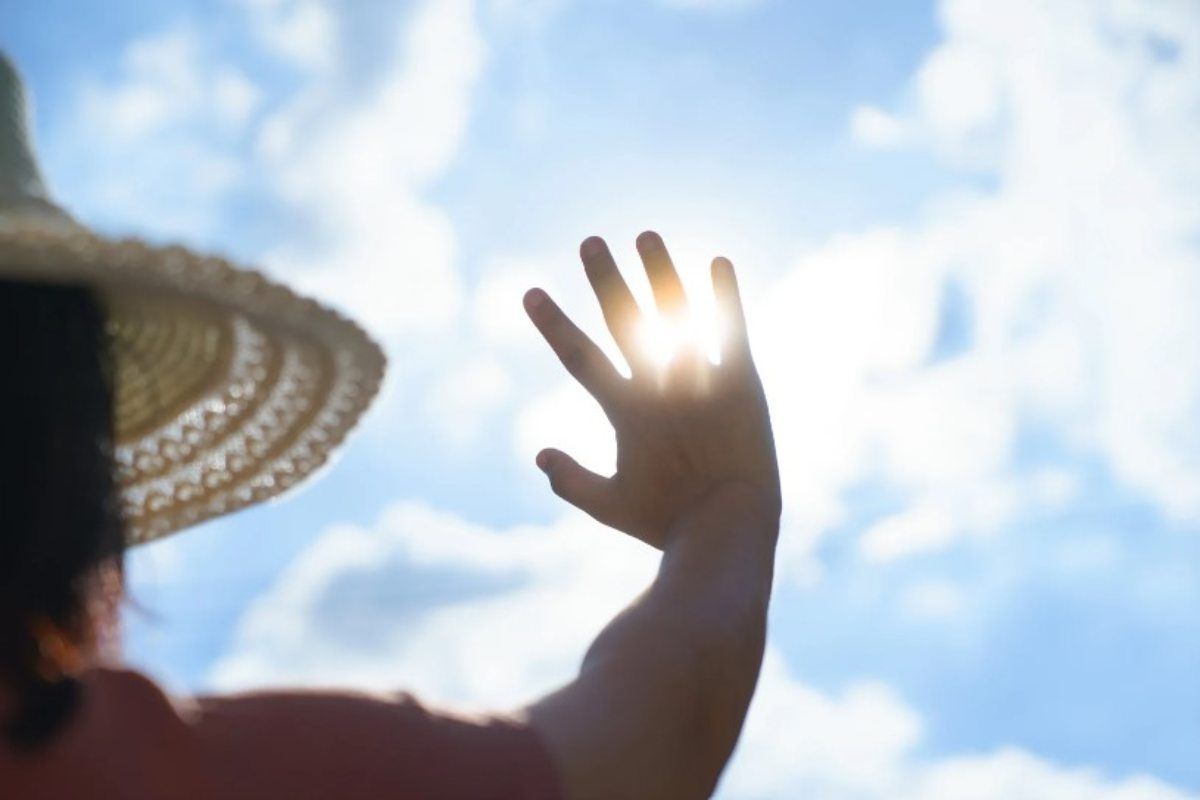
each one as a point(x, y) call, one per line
point(59, 516)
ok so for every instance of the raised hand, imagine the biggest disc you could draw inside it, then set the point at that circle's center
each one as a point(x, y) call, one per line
point(684, 428)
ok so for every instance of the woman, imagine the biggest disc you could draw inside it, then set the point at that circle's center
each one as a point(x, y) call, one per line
point(150, 389)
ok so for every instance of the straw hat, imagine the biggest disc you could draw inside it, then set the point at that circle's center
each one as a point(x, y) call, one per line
point(230, 389)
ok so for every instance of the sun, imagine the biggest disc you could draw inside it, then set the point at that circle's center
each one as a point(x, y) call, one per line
point(661, 338)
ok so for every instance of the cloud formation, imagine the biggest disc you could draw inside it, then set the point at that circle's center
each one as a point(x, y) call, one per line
point(863, 744)
point(1068, 257)
point(480, 618)
point(444, 606)
point(160, 143)
point(357, 171)
point(174, 137)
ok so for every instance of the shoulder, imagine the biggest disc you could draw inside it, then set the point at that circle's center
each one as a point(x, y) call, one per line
point(306, 743)
point(126, 739)
point(367, 745)
point(130, 688)
point(129, 698)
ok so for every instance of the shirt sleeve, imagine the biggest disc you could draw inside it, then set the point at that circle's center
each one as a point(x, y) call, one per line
point(300, 745)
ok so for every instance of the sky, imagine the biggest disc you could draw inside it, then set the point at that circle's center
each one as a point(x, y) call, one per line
point(969, 239)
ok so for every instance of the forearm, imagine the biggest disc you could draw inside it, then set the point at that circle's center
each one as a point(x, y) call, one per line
point(668, 681)
point(682, 662)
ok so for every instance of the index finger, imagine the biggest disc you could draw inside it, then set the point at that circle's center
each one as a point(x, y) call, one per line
point(579, 354)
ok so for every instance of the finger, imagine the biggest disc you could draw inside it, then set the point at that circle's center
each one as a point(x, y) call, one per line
point(620, 310)
point(669, 295)
point(576, 484)
point(579, 354)
point(734, 340)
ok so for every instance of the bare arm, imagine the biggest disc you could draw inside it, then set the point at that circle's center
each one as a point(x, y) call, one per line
point(659, 703)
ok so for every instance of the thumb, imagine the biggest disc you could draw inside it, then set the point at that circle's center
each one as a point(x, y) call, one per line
point(576, 484)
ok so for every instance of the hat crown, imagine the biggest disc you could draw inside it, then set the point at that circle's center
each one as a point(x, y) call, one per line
point(24, 200)
point(21, 181)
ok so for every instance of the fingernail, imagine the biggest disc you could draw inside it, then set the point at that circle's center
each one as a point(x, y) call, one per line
point(648, 240)
point(543, 461)
point(534, 298)
point(592, 246)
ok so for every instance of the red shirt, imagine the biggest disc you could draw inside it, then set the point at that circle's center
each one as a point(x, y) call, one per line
point(129, 741)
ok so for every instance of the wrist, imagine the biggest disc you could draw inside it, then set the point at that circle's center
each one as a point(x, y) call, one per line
point(737, 509)
point(758, 503)
point(728, 537)
point(717, 570)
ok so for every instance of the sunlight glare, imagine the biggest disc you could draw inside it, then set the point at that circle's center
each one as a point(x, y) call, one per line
point(662, 338)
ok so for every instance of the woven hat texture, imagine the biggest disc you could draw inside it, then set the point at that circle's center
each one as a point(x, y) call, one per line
point(229, 388)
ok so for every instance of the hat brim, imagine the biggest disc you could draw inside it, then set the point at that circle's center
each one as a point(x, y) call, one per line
point(230, 389)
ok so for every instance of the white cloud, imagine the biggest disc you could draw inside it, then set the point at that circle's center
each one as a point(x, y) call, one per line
point(1080, 271)
point(799, 742)
point(933, 599)
point(425, 601)
point(157, 148)
point(1090, 236)
point(358, 171)
point(1012, 773)
point(875, 127)
point(496, 302)
point(863, 743)
point(169, 80)
point(235, 98)
point(913, 530)
point(355, 165)
point(305, 32)
point(567, 418)
point(162, 86)
point(464, 401)
point(958, 89)
point(711, 5)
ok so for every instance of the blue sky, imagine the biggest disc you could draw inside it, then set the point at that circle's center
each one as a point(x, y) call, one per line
point(969, 238)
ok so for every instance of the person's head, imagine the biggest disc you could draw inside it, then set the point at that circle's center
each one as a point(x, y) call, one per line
point(61, 536)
